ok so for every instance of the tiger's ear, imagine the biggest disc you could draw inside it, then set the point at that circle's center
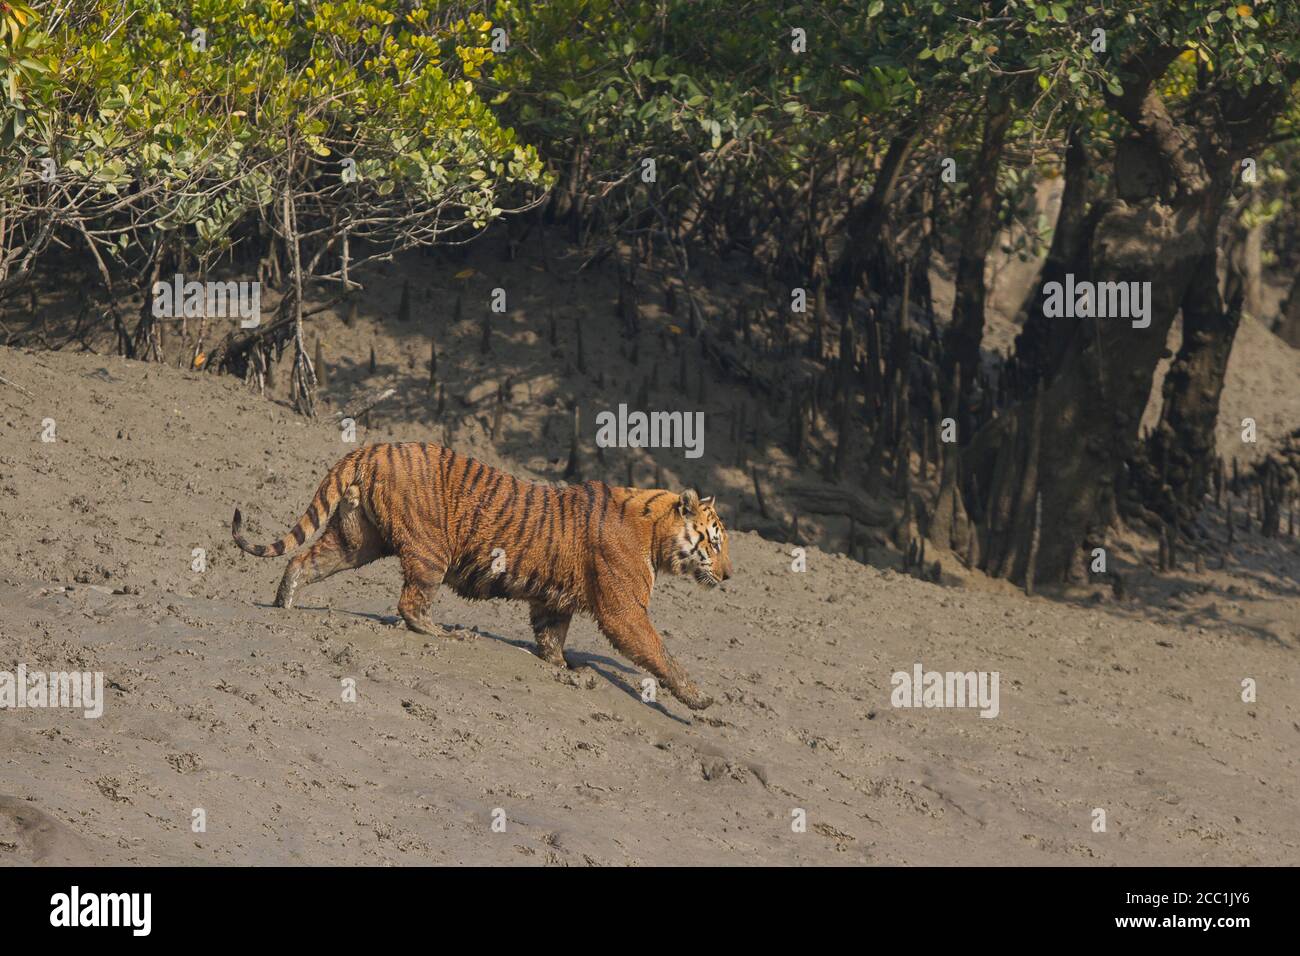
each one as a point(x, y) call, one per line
point(689, 502)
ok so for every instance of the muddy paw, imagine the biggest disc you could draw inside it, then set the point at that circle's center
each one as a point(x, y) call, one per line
point(284, 594)
point(422, 625)
point(551, 656)
point(692, 697)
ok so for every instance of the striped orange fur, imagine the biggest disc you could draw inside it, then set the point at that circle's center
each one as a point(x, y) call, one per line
point(450, 519)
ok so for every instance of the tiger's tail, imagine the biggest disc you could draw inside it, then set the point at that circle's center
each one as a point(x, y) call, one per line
point(328, 495)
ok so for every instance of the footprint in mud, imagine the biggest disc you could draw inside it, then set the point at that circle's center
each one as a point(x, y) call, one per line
point(581, 677)
point(714, 764)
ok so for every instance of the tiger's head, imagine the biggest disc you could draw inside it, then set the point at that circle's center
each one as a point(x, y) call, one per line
point(700, 548)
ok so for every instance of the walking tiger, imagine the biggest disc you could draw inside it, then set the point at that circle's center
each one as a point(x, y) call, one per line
point(452, 520)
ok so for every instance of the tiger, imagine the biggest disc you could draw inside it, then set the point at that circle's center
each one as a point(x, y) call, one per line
point(584, 548)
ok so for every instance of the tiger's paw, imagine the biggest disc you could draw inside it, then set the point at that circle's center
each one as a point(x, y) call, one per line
point(552, 656)
point(690, 695)
point(551, 651)
point(421, 624)
point(284, 595)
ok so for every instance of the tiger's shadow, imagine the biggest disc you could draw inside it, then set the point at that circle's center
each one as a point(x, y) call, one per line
point(614, 672)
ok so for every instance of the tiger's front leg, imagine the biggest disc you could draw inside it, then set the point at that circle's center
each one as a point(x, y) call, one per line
point(630, 631)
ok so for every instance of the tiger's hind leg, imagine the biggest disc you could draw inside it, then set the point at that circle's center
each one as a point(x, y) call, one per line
point(357, 529)
point(422, 574)
point(351, 540)
point(550, 628)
